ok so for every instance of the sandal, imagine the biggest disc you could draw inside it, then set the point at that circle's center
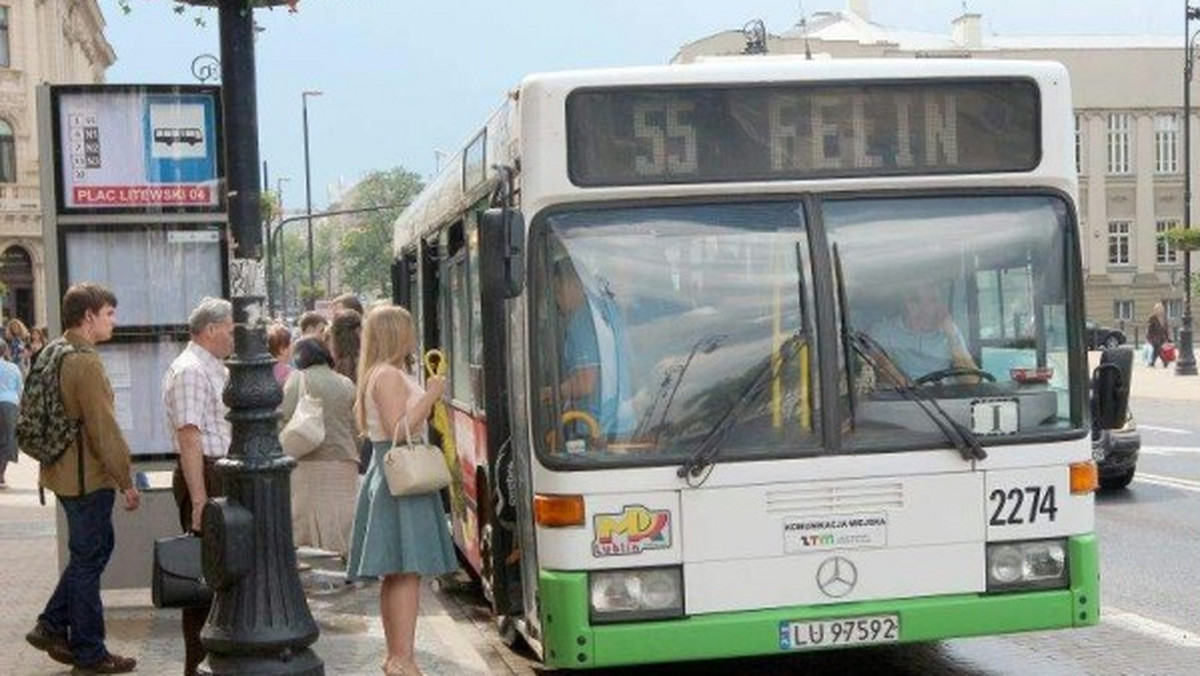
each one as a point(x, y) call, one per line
point(395, 666)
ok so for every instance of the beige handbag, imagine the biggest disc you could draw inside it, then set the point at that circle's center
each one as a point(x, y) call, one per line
point(413, 469)
point(306, 429)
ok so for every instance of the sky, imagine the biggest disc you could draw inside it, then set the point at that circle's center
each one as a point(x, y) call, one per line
point(403, 81)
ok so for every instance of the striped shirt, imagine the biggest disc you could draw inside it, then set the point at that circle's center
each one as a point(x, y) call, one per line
point(192, 391)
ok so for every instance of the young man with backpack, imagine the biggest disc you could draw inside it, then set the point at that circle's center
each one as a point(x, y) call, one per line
point(72, 430)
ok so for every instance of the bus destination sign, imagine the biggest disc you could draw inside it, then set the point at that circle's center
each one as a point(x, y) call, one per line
point(641, 135)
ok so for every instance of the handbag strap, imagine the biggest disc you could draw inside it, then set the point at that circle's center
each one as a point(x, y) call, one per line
point(407, 430)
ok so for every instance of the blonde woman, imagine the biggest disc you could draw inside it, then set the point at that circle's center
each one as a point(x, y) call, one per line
point(17, 336)
point(398, 539)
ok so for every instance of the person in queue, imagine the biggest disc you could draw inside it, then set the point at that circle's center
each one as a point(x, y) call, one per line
point(192, 395)
point(85, 480)
point(279, 344)
point(923, 338)
point(345, 343)
point(325, 480)
point(313, 323)
point(347, 301)
point(400, 539)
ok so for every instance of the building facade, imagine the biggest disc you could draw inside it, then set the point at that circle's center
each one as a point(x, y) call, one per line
point(41, 41)
point(1128, 99)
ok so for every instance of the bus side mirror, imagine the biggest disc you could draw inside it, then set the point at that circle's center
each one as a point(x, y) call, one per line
point(512, 223)
point(1110, 387)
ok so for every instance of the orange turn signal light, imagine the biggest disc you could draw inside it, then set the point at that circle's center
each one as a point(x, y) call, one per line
point(558, 511)
point(1085, 477)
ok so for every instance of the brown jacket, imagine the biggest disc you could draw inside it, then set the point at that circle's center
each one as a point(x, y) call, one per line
point(88, 395)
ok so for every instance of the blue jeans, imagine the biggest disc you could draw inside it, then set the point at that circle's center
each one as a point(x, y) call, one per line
point(75, 609)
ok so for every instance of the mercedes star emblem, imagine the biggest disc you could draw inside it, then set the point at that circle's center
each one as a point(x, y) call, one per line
point(836, 576)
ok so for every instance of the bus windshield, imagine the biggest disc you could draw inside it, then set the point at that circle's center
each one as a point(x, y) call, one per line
point(963, 297)
point(655, 324)
point(663, 332)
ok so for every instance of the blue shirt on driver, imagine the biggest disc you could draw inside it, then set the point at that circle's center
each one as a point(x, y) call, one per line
point(916, 352)
point(594, 338)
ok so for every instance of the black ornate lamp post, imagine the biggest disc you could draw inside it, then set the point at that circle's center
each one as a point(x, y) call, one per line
point(1186, 365)
point(260, 622)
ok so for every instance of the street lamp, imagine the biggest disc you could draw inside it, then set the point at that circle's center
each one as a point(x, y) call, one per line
point(1186, 366)
point(260, 622)
point(312, 276)
point(271, 246)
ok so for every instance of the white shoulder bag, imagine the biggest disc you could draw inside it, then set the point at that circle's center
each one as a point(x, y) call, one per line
point(413, 469)
point(306, 429)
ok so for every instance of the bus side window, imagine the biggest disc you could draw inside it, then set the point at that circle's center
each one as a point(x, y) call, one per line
point(457, 303)
point(475, 356)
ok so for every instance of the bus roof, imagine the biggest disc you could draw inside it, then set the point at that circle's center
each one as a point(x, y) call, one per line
point(769, 69)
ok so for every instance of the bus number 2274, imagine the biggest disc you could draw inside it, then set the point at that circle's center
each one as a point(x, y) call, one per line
point(1008, 505)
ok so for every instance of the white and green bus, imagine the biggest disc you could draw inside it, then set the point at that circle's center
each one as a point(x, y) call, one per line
point(766, 355)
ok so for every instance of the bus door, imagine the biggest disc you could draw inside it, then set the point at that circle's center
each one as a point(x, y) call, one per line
point(430, 296)
point(506, 537)
point(466, 443)
point(405, 287)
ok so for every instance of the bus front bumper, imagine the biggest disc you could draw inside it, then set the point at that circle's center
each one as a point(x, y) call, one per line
point(570, 641)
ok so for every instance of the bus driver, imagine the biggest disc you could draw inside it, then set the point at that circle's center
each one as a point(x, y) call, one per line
point(923, 339)
point(591, 359)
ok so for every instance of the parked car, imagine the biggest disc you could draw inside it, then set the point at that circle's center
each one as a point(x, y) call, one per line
point(1116, 454)
point(1099, 337)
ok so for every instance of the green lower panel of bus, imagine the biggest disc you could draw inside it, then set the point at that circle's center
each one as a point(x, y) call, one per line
point(570, 641)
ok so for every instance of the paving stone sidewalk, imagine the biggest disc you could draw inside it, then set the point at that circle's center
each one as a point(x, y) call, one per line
point(452, 640)
point(1157, 382)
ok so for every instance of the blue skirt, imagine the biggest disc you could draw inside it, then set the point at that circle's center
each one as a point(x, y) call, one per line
point(397, 534)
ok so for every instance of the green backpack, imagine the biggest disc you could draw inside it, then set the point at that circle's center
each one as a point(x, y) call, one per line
point(44, 430)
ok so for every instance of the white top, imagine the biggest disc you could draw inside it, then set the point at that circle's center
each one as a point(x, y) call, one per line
point(375, 429)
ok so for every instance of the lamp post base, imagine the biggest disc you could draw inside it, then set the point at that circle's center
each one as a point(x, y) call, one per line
point(302, 663)
point(1186, 364)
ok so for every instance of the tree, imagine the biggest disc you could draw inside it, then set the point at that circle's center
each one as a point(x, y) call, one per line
point(1186, 240)
point(200, 20)
point(366, 244)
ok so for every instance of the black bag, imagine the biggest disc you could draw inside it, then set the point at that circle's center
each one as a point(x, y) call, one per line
point(177, 580)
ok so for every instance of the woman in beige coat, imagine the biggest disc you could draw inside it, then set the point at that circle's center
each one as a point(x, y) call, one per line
point(325, 481)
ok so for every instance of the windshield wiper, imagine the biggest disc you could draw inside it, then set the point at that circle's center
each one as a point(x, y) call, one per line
point(710, 446)
point(955, 432)
point(672, 378)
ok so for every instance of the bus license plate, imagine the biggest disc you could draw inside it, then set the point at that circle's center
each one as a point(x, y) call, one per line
point(835, 633)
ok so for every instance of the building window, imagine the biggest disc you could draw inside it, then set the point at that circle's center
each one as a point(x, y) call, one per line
point(1123, 310)
point(1166, 144)
point(1174, 307)
point(1118, 242)
point(8, 154)
point(1118, 143)
point(4, 50)
point(1078, 144)
point(1166, 253)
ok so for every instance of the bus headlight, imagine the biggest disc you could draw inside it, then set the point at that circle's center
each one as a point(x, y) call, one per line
point(636, 594)
point(1036, 564)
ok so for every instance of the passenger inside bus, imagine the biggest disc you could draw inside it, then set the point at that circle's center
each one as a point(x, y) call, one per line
point(923, 338)
point(592, 359)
